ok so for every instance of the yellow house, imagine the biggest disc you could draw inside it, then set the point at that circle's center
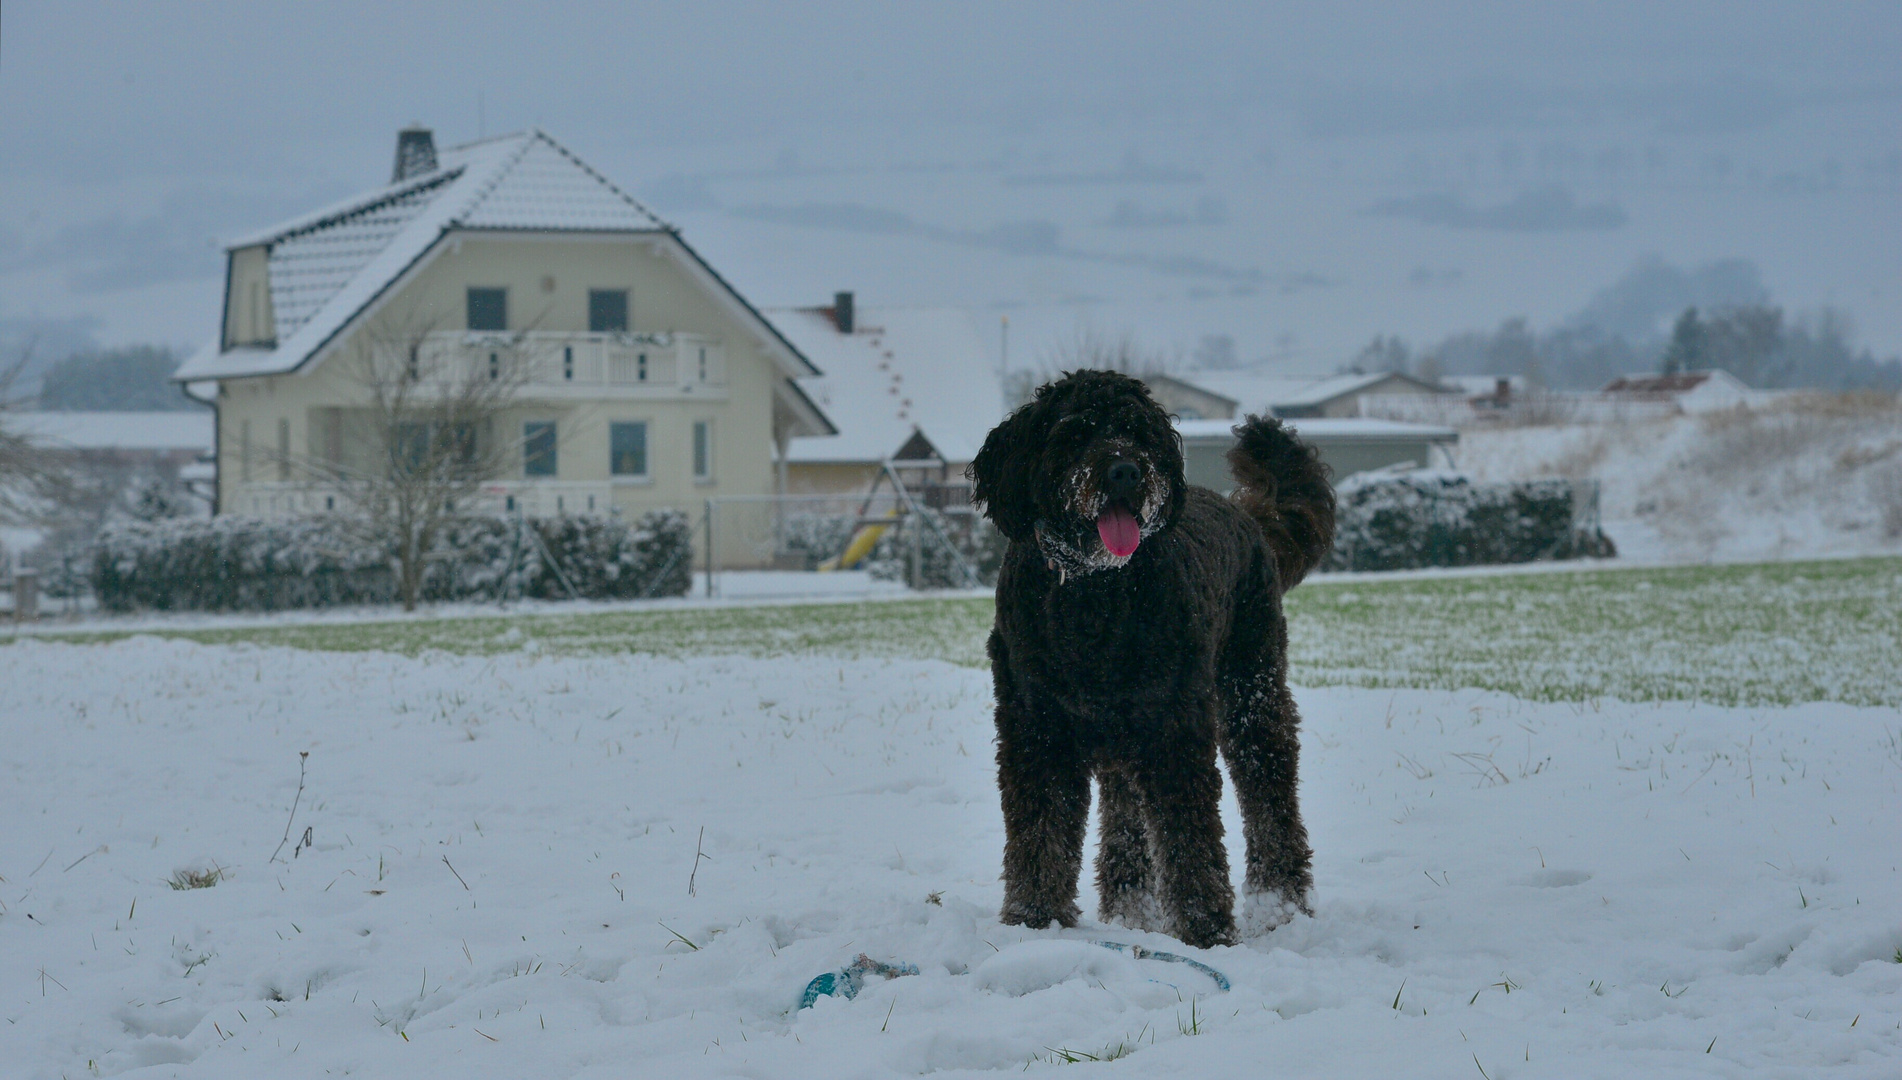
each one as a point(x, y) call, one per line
point(649, 381)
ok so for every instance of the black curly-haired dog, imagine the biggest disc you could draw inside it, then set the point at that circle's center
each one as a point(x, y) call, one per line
point(1139, 629)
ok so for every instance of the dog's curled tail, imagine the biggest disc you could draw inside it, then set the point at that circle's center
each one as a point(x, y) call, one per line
point(1282, 484)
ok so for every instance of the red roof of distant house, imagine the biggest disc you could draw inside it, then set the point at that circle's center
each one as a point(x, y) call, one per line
point(1678, 383)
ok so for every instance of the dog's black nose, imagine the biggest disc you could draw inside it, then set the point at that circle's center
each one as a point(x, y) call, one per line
point(1123, 477)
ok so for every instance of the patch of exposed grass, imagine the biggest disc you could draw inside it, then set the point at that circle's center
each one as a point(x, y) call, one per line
point(1063, 1055)
point(196, 877)
point(1770, 634)
point(952, 630)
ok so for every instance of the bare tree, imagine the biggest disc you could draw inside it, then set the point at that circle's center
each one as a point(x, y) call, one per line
point(1094, 349)
point(425, 436)
point(31, 479)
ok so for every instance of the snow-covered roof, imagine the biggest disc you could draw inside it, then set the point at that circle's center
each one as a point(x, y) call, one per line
point(116, 430)
point(1321, 430)
point(1320, 393)
point(902, 370)
point(1252, 391)
point(326, 267)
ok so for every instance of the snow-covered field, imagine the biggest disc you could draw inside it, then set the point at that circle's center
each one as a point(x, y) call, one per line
point(501, 849)
point(1802, 479)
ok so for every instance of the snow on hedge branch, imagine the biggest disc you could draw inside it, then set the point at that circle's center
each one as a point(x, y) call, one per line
point(267, 564)
point(1388, 521)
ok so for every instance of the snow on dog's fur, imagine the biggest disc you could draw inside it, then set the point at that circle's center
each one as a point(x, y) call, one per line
point(1139, 630)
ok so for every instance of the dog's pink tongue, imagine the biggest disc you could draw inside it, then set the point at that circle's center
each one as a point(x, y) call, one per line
point(1119, 531)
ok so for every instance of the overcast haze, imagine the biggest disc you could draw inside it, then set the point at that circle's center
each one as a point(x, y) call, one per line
point(1298, 179)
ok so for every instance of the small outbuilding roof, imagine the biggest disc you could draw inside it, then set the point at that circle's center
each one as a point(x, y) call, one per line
point(1318, 429)
point(1340, 386)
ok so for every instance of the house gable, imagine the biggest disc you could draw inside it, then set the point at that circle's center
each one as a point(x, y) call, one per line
point(328, 268)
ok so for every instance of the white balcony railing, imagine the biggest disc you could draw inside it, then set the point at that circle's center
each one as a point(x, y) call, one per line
point(545, 359)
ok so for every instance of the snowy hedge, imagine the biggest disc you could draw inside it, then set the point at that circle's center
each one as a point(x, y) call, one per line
point(1410, 520)
point(269, 564)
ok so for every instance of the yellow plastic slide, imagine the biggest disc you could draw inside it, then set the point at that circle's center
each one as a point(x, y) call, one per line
point(862, 544)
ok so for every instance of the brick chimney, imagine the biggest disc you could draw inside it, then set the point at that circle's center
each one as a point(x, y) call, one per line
point(415, 153)
point(842, 314)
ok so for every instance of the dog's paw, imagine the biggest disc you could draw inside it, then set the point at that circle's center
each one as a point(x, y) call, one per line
point(1039, 916)
point(1135, 910)
point(1205, 930)
point(1264, 910)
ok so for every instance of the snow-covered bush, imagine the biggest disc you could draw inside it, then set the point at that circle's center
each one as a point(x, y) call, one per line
point(1399, 521)
point(266, 564)
point(974, 538)
point(237, 564)
point(603, 558)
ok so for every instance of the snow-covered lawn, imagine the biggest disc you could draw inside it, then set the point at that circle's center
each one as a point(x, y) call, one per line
point(497, 880)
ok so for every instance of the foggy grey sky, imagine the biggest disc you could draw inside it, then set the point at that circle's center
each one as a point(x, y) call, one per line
point(132, 135)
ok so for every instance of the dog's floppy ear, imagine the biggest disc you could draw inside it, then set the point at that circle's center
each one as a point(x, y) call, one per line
point(1005, 469)
point(1165, 444)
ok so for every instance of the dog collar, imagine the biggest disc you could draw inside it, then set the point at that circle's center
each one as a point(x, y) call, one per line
point(1064, 558)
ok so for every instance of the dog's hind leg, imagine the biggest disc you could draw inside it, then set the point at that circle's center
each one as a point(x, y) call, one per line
point(1045, 784)
point(1125, 890)
point(1181, 791)
point(1260, 742)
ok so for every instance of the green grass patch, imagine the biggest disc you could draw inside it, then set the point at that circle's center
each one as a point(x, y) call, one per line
point(1772, 634)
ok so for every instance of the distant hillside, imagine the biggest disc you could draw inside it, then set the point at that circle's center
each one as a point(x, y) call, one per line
point(136, 378)
point(1817, 476)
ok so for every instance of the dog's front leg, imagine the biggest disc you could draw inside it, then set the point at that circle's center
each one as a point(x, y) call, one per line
point(1181, 791)
point(1045, 785)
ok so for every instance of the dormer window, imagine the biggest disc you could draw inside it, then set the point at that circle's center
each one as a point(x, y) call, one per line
point(489, 309)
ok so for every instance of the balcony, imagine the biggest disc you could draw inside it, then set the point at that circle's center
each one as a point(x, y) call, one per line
point(552, 363)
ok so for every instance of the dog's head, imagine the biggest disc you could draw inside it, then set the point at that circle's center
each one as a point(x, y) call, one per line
point(1090, 468)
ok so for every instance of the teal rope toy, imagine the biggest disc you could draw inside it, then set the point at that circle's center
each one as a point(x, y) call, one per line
point(850, 979)
point(1137, 952)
